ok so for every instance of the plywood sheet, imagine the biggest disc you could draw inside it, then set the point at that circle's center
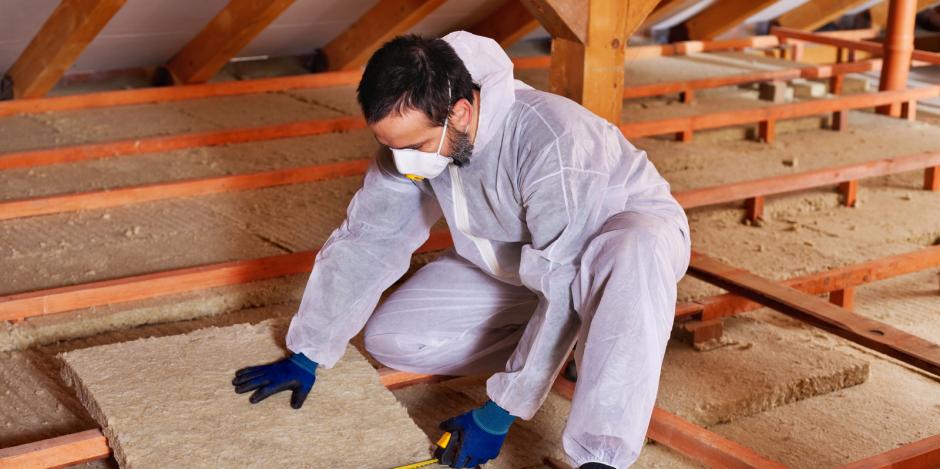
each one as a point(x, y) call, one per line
point(168, 402)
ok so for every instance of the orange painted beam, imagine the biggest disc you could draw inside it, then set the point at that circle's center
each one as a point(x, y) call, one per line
point(834, 41)
point(61, 451)
point(139, 146)
point(730, 304)
point(691, 440)
point(921, 454)
point(805, 180)
point(779, 112)
point(56, 300)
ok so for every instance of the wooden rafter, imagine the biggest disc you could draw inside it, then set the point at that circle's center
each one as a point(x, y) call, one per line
point(225, 35)
point(63, 37)
point(387, 19)
point(814, 14)
point(664, 10)
point(722, 16)
point(870, 333)
point(564, 19)
point(879, 12)
point(509, 23)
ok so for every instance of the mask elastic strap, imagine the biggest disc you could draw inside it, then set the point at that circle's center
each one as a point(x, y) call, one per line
point(440, 144)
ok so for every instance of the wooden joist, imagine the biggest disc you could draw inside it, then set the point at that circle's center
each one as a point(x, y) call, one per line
point(722, 16)
point(664, 10)
point(870, 333)
point(842, 278)
point(691, 440)
point(387, 19)
point(139, 146)
point(63, 37)
point(778, 112)
point(815, 14)
point(791, 35)
point(227, 33)
point(805, 180)
point(106, 198)
point(61, 451)
point(921, 454)
point(137, 287)
point(508, 24)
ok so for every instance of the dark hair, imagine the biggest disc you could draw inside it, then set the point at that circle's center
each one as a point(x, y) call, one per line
point(413, 72)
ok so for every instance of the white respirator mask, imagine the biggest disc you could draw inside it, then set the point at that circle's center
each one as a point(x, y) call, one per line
point(419, 165)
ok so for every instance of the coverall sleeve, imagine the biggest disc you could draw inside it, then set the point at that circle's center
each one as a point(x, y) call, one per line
point(386, 221)
point(562, 211)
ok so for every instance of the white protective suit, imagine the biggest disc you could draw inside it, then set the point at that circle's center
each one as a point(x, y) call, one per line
point(563, 231)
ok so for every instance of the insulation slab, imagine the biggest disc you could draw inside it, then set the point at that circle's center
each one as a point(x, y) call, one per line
point(169, 402)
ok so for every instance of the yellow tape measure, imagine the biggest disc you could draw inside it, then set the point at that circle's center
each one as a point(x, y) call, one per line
point(441, 443)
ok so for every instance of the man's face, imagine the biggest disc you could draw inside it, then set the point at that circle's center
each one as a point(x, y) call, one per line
point(411, 129)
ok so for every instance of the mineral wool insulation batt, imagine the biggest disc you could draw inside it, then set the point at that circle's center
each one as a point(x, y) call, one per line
point(168, 402)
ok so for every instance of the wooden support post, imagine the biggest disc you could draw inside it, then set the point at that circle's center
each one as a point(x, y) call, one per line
point(814, 14)
point(387, 19)
point(592, 73)
point(909, 110)
point(685, 136)
point(849, 190)
point(687, 96)
point(723, 15)
point(932, 179)
point(755, 208)
point(700, 332)
point(508, 24)
point(63, 37)
point(767, 130)
point(220, 40)
point(836, 83)
point(898, 49)
point(867, 332)
point(844, 298)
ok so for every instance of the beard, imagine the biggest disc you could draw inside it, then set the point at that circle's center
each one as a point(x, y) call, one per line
point(461, 147)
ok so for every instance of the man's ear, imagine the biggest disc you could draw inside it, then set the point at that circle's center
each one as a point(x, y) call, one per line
point(463, 113)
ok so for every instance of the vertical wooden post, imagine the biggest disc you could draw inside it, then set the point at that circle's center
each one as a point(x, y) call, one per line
point(687, 96)
point(898, 47)
point(755, 208)
point(836, 83)
point(591, 72)
point(932, 179)
point(909, 110)
point(844, 298)
point(849, 190)
point(767, 131)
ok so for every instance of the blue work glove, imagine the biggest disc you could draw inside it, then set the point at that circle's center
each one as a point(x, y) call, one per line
point(476, 436)
point(296, 372)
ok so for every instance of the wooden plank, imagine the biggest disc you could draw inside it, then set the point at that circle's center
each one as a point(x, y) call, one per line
point(394, 379)
point(722, 16)
point(61, 451)
point(139, 146)
point(226, 35)
point(43, 205)
point(176, 93)
point(664, 10)
point(508, 24)
point(730, 304)
point(63, 37)
point(55, 300)
point(921, 454)
point(815, 14)
point(834, 41)
point(779, 112)
point(691, 440)
point(387, 19)
point(870, 333)
point(565, 19)
point(806, 180)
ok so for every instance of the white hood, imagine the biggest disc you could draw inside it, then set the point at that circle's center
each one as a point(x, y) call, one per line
point(491, 68)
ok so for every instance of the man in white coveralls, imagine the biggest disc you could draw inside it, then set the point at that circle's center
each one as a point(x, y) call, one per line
point(563, 232)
